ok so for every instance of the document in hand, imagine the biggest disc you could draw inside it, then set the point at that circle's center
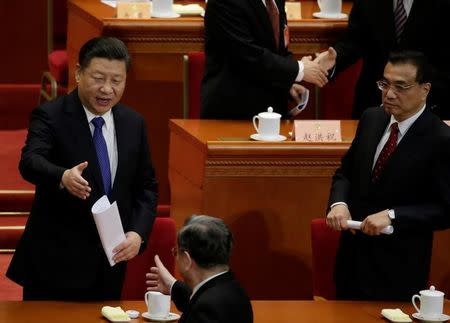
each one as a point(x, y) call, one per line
point(109, 225)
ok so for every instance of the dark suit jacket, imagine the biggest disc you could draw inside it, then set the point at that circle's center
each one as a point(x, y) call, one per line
point(371, 36)
point(60, 247)
point(245, 71)
point(416, 184)
point(220, 300)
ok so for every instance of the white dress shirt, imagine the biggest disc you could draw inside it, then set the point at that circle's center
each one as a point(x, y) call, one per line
point(407, 4)
point(109, 133)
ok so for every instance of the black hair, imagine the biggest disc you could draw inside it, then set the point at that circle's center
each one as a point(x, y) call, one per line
point(103, 47)
point(207, 240)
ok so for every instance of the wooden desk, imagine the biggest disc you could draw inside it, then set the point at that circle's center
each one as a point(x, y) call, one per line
point(154, 84)
point(263, 311)
point(267, 193)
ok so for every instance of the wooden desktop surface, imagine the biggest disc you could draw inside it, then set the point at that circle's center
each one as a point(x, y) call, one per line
point(155, 81)
point(267, 193)
point(264, 311)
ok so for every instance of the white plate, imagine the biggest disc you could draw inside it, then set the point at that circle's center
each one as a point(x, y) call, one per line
point(166, 15)
point(330, 15)
point(256, 136)
point(170, 318)
point(443, 318)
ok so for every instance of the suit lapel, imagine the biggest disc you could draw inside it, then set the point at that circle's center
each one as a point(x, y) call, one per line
point(121, 139)
point(379, 126)
point(261, 13)
point(415, 20)
point(384, 11)
point(79, 127)
point(406, 146)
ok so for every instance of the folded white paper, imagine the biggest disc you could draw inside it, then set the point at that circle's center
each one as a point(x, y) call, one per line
point(109, 225)
point(357, 226)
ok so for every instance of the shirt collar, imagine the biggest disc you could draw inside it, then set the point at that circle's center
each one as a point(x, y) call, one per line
point(107, 116)
point(197, 287)
point(404, 125)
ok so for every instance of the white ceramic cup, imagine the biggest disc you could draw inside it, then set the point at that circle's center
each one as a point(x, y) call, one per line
point(431, 303)
point(158, 304)
point(268, 124)
point(162, 8)
point(329, 6)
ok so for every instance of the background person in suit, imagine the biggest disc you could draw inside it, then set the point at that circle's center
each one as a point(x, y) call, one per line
point(60, 255)
point(209, 293)
point(409, 189)
point(248, 66)
point(372, 34)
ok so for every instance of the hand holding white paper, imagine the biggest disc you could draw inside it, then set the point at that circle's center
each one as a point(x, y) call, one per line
point(356, 225)
point(109, 225)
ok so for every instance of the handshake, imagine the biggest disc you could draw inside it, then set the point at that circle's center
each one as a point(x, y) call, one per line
point(314, 72)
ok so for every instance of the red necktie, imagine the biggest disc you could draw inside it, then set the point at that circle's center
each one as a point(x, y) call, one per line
point(274, 16)
point(399, 19)
point(386, 152)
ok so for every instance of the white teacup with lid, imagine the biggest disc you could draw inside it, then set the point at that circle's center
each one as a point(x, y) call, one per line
point(431, 303)
point(268, 127)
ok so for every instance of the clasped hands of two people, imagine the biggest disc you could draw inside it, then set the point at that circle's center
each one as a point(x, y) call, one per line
point(315, 72)
point(372, 224)
point(73, 181)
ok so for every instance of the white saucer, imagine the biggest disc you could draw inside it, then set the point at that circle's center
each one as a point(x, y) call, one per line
point(166, 15)
point(443, 318)
point(330, 15)
point(170, 318)
point(256, 136)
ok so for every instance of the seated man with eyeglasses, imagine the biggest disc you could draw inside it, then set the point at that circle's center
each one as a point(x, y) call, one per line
point(209, 293)
point(396, 172)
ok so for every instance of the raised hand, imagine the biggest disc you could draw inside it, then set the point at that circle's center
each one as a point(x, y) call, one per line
point(159, 279)
point(74, 183)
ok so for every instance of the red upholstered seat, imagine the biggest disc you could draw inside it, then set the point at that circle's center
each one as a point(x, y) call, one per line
point(324, 243)
point(194, 67)
point(12, 143)
point(16, 103)
point(336, 98)
point(58, 66)
point(161, 241)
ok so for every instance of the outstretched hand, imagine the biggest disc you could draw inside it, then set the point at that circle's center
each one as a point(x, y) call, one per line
point(326, 59)
point(74, 183)
point(313, 72)
point(159, 279)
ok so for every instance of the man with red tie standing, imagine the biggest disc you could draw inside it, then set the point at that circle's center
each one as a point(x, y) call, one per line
point(248, 65)
point(396, 172)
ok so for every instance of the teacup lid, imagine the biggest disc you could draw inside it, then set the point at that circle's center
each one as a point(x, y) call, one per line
point(269, 114)
point(431, 292)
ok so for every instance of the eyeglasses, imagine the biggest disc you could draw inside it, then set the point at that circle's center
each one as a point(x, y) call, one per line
point(397, 88)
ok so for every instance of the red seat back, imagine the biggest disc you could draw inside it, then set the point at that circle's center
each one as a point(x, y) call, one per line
point(161, 241)
point(336, 98)
point(194, 67)
point(324, 243)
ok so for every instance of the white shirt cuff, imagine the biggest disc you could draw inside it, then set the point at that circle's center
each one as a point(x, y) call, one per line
point(300, 74)
point(338, 203)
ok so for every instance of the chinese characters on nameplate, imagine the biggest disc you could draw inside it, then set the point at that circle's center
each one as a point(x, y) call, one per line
point(317, 130)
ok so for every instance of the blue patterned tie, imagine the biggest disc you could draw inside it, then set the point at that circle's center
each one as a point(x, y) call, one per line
point(102, 153)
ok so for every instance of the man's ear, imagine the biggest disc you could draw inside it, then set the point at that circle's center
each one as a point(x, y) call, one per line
point(77, 72)
point(186, 260)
